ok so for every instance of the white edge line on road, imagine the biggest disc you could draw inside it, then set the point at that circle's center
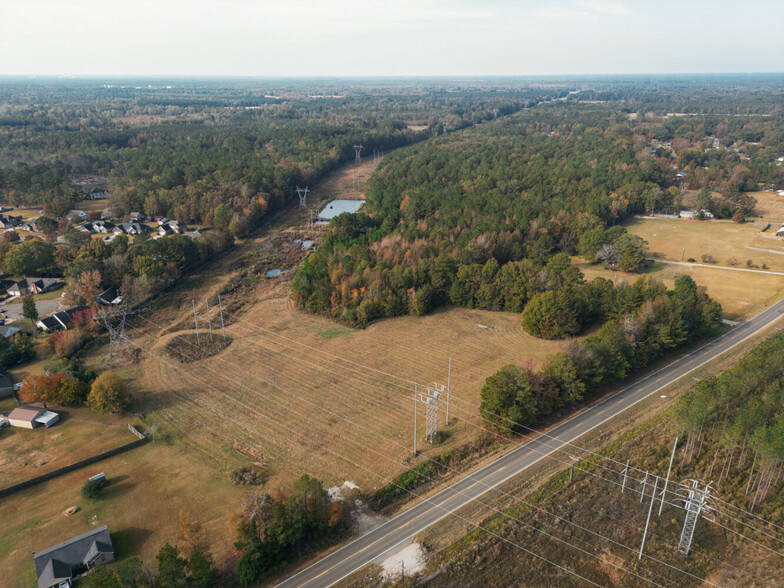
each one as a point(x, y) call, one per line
point(562, 442)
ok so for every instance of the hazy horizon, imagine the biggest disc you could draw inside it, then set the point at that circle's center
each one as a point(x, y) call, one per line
point(394, 39)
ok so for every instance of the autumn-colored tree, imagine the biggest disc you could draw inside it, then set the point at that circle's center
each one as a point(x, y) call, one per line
point(89, 287)
point(190, 537)
point(109, 393)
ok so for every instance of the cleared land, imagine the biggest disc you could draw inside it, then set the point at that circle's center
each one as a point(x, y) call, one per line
point(26, 453)
point(281, 387)
point(769, 206)
point(146, 489)
point(741, 294)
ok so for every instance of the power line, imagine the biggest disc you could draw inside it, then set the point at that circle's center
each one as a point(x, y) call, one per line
point(551, 514)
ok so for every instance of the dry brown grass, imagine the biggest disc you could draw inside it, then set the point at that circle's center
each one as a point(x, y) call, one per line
point(29, 453)
point(769, 206)
point(742, 294)
point(147, 488)
point(281, 387)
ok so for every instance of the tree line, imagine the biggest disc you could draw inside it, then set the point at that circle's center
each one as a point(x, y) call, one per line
point(641, 323)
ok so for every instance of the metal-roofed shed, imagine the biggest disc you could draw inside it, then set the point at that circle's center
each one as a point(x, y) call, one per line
point(47, 418)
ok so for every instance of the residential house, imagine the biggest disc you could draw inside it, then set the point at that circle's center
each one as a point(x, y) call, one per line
point(195, 234)
point(137, 217)
point(34, 286)
point(97, 194)
point(172, 228)
point(6, 386)
point(110, 296)
point(31, 225)
point(58, 566)
point(59, 321)
point(76, 215)
point(99, 226)
point(8, 331)
point(131, 228)
point(8, 222)
point(4, 285)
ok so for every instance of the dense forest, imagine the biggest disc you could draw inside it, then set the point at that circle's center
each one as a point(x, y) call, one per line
point(478, 218)
point(209, 152)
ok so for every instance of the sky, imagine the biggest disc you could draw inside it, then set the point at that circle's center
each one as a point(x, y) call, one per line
point(392, 38)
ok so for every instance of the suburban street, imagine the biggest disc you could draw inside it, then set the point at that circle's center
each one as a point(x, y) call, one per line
point(392, 534)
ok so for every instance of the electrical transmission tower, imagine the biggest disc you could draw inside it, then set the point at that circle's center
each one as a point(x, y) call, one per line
point(358, 153)
point(430, 398)
point(697, 501)
point(115, 324)
point(303, 196)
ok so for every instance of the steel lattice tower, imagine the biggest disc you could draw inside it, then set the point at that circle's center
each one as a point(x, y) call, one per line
point(697, 502)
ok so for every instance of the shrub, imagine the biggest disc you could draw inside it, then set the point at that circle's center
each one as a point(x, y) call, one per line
point(93, 489)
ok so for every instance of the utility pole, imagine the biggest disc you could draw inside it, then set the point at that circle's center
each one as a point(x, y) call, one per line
point(648, 520)
point(223, 327)
point(667, 480)
point(625, 472)
point(644, 483)
point(357, 153)
point(303, 196)
point(448, 389)
point(415, 418)
point(209, 318)
point(696, 503)
point(196, 322)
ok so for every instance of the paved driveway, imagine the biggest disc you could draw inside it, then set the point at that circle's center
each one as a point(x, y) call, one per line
point(13, 312)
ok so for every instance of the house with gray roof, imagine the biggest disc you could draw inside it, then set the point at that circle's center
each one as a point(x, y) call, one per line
point(58, 566)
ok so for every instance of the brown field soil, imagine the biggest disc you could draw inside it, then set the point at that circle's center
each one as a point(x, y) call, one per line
point(146, 489)
point(769, 206)
point(80, 433)
point(741, 294)
point(282, 387)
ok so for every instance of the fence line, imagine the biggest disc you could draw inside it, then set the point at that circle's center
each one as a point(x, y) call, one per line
point(74, 466)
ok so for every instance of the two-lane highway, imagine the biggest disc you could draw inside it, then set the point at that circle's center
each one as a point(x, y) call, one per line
point(370, 546)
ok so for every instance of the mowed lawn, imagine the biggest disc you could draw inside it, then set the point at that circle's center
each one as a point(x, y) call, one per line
point(329, 401)
point(741, 294)
point(26, 453)
point(146, 489)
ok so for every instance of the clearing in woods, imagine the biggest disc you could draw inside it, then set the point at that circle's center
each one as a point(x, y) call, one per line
point(281, 389)
point(741, 294)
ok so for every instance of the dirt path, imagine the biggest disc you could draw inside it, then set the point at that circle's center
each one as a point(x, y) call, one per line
point(721, 267)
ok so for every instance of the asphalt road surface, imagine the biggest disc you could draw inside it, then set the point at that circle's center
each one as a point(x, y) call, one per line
point(382, 540)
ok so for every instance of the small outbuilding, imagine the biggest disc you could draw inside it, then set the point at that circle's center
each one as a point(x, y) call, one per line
point(24, 417)
point(47, 418)
point(29, 417)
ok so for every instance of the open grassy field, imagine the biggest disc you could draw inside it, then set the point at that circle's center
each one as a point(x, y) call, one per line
point(330, 401)
point(146, 489)
point(770, 206)
point(79, 434)
point(742, 294)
